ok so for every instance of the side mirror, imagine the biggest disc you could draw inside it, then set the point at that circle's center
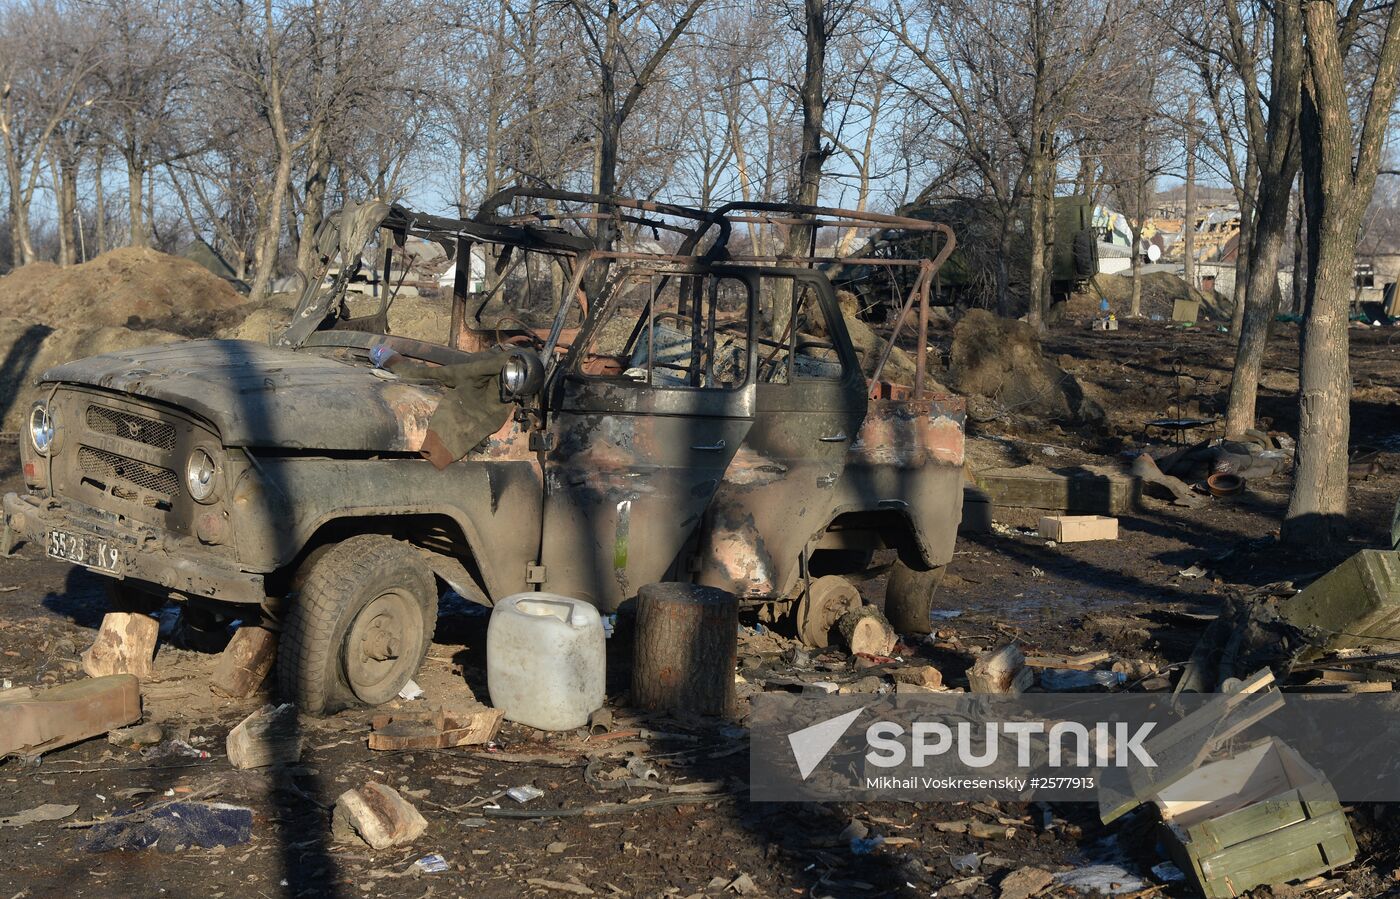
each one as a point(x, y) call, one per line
point(522, 375)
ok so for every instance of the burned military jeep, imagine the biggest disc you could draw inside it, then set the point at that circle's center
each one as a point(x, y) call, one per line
point(597, 419)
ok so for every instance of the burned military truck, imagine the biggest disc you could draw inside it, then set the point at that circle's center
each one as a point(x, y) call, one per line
point(596, 419)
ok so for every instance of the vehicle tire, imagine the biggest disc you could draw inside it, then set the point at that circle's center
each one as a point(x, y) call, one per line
point(360, 628)
point(822, 606)
point(909, 598)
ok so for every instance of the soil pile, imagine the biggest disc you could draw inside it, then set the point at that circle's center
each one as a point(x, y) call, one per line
point(128, 287)
point(1159, 291)
point(1000, 359)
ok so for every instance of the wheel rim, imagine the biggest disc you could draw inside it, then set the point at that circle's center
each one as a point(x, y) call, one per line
point(822, 606)
point(381, 647)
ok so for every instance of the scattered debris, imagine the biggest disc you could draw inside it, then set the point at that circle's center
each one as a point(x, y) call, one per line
point(434, 729)
point(411, 691)
point(138, 737)
point(38, 815)
point(919, 675)
point(125, 644)
point(1146, 469)
point(376, 815)
point(269, 736)
point(1107, 880)
point(1057, 681)
point(172, 827)
point(430, 864)
point(524, 793)
point(1023, 883)
point(33, 722)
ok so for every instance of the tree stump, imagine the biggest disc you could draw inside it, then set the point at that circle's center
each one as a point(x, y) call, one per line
point(269, 736)
point(685, 649)
point(866, 630)
point(125, 644)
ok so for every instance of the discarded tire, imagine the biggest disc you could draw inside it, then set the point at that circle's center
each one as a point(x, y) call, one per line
point(360, 628)
point(909, 598)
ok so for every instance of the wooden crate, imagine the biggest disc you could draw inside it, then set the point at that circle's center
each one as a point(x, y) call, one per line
point(1078, 528)
point(1277, 819)
point(1081, 489)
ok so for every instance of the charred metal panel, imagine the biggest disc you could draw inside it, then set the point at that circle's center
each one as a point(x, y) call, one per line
point(625, 487)
point(256, 395)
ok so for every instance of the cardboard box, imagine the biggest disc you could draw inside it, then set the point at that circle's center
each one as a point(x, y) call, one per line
point(1186, 310)
point(1273, 819)
point(1078, 528)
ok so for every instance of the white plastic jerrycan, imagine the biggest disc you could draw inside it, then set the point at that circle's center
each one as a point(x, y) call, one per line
point(546, 660)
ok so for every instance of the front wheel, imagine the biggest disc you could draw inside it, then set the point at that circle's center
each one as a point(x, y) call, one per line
point(909, 598)
point(361, 626)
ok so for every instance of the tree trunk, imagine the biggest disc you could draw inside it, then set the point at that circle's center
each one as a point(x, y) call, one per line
point(99, 223)
point(66, 203)
point(1244, 243)
point(1340, 177)
point(686, 649)
point(1188, 218)
point(269, 235)
point(135, 189)
point(1035, 309)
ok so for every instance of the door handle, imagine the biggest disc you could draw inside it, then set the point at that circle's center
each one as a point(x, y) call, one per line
point(710, 448)
point(834, 438)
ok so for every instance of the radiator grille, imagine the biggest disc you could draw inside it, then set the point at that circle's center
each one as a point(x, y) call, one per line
point(107, 466)
point(115, 423)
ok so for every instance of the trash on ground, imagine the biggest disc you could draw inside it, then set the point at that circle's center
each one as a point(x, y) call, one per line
point(966, 864)
point(38, 814)
point(525, 793)
point(431, 864)
point(411, 691)
point(1023, 883)
point(377, 815)
point(1062, 681)
point(137, 737)
point(1107, 880)
point(434, 729)
point(172, 827)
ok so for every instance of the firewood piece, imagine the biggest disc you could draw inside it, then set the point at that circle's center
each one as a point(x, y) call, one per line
point(34, 722)
point(919, 675)
point(984, 831)
point(125, 644)
point(686, 649)
point(245, 662)
point(269, 736)
point(376, 815)
point(866, 630)
point(1000, 671)
point(434, 729)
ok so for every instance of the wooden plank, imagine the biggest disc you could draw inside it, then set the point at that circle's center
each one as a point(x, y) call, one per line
point(1098, 491)
point(59, 716)
point(1290, 853)
point(1083, 662)
point(434, 729)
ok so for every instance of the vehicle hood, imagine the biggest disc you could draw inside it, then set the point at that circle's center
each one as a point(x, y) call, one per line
point(257, 395)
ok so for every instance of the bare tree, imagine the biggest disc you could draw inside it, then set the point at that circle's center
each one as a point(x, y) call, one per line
point(1341, 153)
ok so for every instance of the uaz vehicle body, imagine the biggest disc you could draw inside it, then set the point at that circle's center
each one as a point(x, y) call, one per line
point(687, 414)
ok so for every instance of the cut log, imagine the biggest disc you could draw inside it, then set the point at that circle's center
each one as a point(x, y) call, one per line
point(1000, 671)
point(245, 662)
point(376, 815)
point(125, 644)
point(42, 720)
point(686, 649)
point(866, 630)
point(434, 729)
point(269, 736)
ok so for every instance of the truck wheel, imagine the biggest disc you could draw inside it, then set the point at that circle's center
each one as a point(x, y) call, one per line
point(822, 606)
point(360, 627)
point(909, 598)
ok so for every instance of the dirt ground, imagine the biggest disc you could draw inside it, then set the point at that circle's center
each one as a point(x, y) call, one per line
point(1127, 597)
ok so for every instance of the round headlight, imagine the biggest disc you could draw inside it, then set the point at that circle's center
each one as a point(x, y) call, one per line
point(41, 429)
point(200, 475)
point(522, 374)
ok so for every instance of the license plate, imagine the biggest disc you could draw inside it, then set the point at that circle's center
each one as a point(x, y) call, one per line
point(91, 552)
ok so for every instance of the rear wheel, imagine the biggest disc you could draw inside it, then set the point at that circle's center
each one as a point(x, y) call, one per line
point(822, 606)
point(360, 627)
point(909, 598)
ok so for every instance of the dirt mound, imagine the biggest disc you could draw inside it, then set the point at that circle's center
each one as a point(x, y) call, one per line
point(130, 286)
point(28, 348)
point(1000, 359)
point(1160, 290)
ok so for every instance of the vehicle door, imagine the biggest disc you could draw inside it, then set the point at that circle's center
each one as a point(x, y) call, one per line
point(780, 492)
point(656, 397)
